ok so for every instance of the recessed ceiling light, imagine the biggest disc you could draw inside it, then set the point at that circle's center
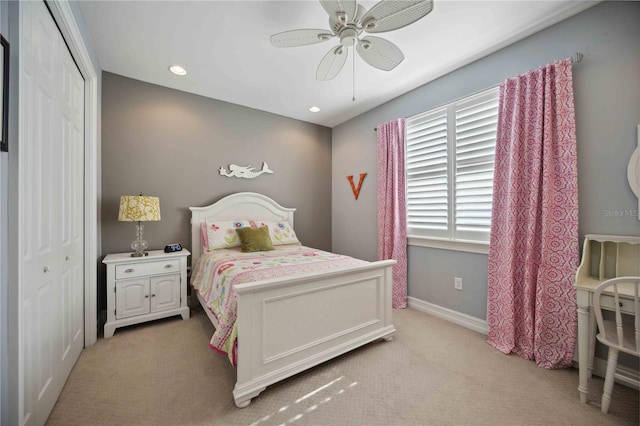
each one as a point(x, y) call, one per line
point(314, 109)
point(177, 70)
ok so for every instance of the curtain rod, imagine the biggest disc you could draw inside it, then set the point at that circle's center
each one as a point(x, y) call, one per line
point(575, 59)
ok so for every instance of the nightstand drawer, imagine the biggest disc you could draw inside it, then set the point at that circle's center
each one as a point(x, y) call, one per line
point(132, 270)
point(609, 302)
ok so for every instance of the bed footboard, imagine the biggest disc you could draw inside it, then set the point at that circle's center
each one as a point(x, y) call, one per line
point(287, 326)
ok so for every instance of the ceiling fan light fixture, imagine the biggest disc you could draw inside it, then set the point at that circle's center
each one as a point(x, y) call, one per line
point(177, 70)
point(314, 109)
point(348, 37)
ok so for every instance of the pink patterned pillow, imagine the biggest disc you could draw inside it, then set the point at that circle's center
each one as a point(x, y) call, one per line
point(281, 232)
point(222, 234)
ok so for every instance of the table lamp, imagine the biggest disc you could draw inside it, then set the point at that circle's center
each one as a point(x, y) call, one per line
point(139, 208)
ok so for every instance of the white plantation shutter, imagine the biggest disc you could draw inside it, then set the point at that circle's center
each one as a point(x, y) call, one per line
point(476, 123)
point(427, 205)
point(450, 160)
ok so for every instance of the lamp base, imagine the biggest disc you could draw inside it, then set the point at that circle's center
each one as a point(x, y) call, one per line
point(143, 254)
point(138, 245)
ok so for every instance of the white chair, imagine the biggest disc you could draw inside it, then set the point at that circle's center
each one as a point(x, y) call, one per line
point(618, 336)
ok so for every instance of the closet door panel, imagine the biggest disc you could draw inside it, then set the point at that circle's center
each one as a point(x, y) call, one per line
point(72, 218)
point(28, 339)
point(40, 214)
point(46, 343)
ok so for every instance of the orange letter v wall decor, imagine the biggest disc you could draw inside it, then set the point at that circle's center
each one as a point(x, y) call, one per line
point(356, 191)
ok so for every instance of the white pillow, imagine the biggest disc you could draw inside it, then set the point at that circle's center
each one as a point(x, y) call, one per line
point(222, 234)
point(281, 232)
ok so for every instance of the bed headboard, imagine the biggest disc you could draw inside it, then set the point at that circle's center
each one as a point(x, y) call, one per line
point(242, 205)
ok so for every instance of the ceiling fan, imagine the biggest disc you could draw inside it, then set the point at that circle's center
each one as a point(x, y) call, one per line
point(348, 20)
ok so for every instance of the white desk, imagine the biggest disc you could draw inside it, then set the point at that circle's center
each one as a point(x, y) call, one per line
point(603, 257)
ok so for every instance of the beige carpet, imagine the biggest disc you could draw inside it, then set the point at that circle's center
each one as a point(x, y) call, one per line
point(432, 373)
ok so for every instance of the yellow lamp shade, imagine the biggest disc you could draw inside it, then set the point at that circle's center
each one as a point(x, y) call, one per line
point(139, 208)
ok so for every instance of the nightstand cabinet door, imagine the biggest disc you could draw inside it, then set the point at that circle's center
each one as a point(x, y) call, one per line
point(132, 298)
point(165, 292)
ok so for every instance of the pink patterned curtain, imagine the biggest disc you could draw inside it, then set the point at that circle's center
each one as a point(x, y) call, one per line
point(392, 209)
point(533, 253)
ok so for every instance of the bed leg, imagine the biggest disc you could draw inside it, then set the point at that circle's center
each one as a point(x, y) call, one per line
point(243, 399)
point(243, 404)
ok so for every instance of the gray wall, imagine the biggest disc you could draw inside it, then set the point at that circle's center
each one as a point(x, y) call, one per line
point(170, 144)
point(607, 100)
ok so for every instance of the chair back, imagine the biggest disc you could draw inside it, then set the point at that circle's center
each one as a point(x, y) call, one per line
point(619, 295)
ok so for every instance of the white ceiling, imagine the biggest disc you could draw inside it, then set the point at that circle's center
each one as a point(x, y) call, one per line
point(225, 47)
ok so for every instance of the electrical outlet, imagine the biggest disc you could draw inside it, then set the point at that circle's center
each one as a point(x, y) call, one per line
point(457, 283)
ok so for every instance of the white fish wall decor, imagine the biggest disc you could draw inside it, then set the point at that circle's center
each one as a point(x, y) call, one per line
point(246, 172)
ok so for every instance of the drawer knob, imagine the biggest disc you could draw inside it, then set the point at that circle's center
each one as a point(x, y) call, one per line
point(168, 266)
point(153, 295)
point(67, 258)
point(46, 269)
point(620, 304)
point(129, 270)
point(146, 296)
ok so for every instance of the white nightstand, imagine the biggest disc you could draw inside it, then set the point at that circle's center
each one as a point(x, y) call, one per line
point(146, 288)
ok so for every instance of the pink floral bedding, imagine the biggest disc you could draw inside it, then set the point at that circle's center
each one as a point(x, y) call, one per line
point(217, 272)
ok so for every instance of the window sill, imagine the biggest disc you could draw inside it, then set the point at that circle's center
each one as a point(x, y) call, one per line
point(466, 246)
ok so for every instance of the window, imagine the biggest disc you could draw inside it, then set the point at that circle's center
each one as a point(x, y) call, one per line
point(450, 157)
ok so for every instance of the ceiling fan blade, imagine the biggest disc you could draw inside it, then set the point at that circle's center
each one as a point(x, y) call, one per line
point(379, 53)
point(390, 15)
point(332, 63)
point(335, 7)
point(300, 37)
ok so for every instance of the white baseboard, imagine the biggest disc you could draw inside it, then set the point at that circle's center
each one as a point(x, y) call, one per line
point(464, 320)
point(624, 375)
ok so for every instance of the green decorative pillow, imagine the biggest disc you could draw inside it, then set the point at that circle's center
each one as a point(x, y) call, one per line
point(255, 239)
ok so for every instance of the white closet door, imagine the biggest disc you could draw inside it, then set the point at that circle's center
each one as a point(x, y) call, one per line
point(51, 222)
point(72, 219)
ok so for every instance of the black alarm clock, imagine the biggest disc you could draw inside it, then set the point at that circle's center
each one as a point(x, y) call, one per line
point(173, 248)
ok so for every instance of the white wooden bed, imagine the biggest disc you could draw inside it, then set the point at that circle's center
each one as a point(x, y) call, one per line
point(276, 337)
